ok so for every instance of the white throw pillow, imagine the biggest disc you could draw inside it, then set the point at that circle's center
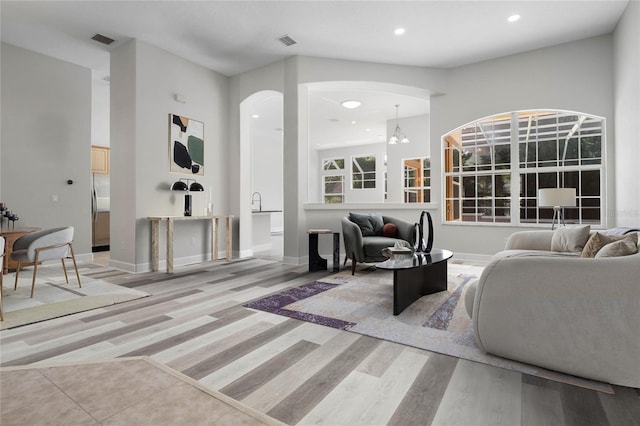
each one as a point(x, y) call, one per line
point(624, 247)
point(571, 239)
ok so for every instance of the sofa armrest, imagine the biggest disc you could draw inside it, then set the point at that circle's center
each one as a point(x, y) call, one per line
point(406, 230)
point(352, 237)
point(530, 240)
point(576, 315)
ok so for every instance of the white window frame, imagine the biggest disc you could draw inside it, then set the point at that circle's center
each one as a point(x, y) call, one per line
point(516, 169)
point(420, 188)
point(333, 172)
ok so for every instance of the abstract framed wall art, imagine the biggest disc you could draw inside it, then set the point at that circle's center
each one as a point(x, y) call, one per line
point(186, 145)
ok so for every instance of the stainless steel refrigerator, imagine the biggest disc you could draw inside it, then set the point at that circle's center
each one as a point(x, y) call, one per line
point(100, 207)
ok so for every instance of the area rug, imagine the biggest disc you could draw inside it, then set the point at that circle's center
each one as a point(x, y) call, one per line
point(54, 298)
point(363, 304)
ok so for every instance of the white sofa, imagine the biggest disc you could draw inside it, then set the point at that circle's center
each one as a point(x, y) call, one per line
point(559, 311)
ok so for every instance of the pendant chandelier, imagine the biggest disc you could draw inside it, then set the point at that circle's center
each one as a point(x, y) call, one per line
point(398, 135)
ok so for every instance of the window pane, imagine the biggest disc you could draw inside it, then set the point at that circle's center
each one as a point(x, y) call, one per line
point(363, 172)
point(590, 183)
point(548, 142)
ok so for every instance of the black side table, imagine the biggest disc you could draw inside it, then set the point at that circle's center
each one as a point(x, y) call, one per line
point(316, 262)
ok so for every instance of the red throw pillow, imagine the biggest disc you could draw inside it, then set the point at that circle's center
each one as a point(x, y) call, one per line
point(390, 230)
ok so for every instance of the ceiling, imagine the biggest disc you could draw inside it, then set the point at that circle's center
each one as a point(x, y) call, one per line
point(232, 37)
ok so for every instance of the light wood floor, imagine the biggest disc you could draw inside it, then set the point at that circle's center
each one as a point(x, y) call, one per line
point(298, 372)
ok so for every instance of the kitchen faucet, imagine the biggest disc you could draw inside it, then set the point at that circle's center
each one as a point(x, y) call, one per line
point(253, 199)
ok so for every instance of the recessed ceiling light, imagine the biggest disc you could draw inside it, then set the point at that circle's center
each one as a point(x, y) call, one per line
point(367, 130)
point(399, 31)
point(353, 122)
point(255, 116)
point(513, 18)
point(351, 104)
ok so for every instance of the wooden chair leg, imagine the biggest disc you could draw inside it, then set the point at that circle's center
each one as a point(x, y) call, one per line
point(73, 257)
point(64, 268)
point(15, 287)
point(35, 271)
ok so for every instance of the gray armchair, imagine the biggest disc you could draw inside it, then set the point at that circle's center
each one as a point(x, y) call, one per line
point(48, 244)
point(367, 246)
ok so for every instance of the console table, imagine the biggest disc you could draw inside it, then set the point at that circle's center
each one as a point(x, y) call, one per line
point(155, 237)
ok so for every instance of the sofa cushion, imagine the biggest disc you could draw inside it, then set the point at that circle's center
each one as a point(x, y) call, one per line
point(597, 241)
point(390, 230)
point(369, 223)
point(373, 245)
point(571, 239)
point(623, 247)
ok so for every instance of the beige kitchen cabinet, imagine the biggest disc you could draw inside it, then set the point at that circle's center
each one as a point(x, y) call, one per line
point(99, 159)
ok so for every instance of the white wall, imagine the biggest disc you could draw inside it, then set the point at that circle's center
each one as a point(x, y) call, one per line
point(157, 76)
point(100, 104)
point(626, 210)
point(575, 76)
point(46, 140)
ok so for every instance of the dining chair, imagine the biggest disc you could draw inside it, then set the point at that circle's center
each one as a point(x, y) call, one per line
point(48, 244)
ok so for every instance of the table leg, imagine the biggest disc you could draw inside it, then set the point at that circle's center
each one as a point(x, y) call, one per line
point(410, 285)
point(215, 224)
point(154, 245)
point(336, 252)
point(214, 243)
point(229, 237)
point(316, 262)
point(169, 246)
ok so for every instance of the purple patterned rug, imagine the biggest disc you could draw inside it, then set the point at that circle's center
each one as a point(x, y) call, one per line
point(364, 304)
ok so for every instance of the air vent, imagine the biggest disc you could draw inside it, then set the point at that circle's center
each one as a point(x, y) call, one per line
point(286, 40)
point(102, 39)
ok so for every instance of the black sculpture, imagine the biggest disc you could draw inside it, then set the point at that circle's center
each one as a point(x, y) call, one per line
point(420, 245)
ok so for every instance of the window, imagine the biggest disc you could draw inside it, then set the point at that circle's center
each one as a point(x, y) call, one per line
point(333, 180)
point(534, 150)
point(363, 172)
point(417, 180)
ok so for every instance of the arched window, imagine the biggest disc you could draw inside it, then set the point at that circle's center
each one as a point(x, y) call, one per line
point(495, 166)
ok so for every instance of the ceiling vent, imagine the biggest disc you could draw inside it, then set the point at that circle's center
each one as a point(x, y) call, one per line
point(286, 40)
point(102, 39)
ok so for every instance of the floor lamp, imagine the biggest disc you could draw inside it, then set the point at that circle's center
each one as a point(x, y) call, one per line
point(557, 198)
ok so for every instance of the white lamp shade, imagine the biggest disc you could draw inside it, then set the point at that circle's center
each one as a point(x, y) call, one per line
point(562, 197)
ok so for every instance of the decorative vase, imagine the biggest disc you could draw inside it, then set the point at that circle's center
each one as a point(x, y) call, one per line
point(420, 245)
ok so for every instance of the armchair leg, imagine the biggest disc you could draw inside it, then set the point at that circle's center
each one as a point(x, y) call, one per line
point(35, 270)
point(353, 264)
point(75, 266)
point(15, 287)
point(64, 268)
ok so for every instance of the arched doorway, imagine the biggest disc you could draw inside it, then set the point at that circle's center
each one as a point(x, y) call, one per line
point(261, 167)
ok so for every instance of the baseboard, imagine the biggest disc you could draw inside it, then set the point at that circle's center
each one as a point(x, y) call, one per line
point(262, 247)
point(125, 266)
point(290, 260)
point(482, 259)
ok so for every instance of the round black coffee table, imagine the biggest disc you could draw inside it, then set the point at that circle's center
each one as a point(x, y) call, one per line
point(416, 275)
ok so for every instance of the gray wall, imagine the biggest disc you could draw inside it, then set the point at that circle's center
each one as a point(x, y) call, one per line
point(575, 76)
point(46, 140)
point(140, 151)
point(626, 210)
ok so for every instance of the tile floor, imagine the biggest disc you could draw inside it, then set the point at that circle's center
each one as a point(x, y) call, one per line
point(120, 392)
